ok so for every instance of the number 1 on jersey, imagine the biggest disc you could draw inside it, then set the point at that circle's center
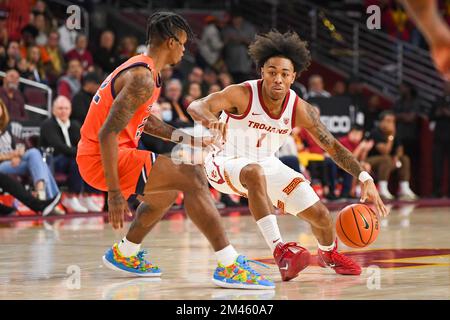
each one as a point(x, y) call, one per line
point(261, 138)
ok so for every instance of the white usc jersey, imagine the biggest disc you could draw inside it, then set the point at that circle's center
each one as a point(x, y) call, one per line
point(256, 134)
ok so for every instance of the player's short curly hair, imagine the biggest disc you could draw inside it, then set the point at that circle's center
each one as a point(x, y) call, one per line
point(163, 25)
point(277, 44)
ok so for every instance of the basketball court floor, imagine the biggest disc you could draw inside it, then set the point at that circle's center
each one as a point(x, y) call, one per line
point(61, 259)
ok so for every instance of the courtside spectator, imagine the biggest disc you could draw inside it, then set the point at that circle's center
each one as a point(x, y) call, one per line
point(70, 84)
point(387, 155)
point(15, 159)
point(12, 97)
point(62, 134)
point(81, 53)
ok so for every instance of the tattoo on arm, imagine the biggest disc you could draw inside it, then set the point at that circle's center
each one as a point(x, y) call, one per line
point(158, 128)
point(341, 155)
point(132, 96)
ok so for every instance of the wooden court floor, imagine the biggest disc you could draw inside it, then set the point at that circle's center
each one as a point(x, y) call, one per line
point(62, 260)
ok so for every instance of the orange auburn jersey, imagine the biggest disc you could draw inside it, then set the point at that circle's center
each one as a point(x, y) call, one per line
point(101, 104)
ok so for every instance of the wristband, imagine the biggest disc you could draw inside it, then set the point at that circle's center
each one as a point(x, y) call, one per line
point(364, 176)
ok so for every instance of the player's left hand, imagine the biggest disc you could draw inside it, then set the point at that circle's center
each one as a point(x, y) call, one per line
point(117, 208)
point(370, 192)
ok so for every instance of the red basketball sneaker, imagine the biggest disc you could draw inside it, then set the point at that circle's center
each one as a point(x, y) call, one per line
point(291, 259)
point(338, 262)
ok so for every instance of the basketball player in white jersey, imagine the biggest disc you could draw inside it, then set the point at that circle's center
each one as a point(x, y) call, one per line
point(257, 116)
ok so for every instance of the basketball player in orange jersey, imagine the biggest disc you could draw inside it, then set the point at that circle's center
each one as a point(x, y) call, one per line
point(257, 116)
point(109, 160)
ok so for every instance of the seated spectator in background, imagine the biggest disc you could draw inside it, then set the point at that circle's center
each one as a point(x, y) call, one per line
point(176, 115)
point(14, 159)
point(16, 189)
point(440, 113)
point(154, 144)
point(82, 99)
point(194, 92)
point(12, 97)
point(360, 148)
point(12, 57)
point(28, 40)
point(67, 38)
point(36, 66)
point(81, 53)
point(316, 87)
point(128, 48)
point(209, 78)
point(196, 75)
point(42, 25)
point(225, 79)
point(63, 135)
point(396, 22)
point(339, 89)
point(214, 88)
point(70, 84)
point(388, 155)
point(106, 56)
point(211, 44)
point(56, 62)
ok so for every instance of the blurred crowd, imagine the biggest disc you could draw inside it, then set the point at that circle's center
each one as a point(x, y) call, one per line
point(42, 49)
point(396, 22)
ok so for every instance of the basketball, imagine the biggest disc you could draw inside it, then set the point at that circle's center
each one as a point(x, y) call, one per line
point(357, 226)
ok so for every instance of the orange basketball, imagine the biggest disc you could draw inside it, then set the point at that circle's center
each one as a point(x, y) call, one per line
point(357, 225)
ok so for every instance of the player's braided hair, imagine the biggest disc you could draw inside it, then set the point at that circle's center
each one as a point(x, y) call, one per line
point(163, 25)
point(276, 44)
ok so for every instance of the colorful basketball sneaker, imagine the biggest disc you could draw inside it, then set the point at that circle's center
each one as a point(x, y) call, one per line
point(338, 262)
point(240, 275)
point(291, 259)
point(136, 265)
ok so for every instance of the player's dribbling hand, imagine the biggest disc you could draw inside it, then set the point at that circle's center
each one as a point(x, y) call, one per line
point(370, 192)
point(219, 131)
point(117, 208)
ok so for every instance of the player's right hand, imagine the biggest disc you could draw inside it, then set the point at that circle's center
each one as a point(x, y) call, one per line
point(117, 208)
point(218, 130)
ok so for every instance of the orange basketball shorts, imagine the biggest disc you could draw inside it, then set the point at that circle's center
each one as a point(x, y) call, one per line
point(133, 165)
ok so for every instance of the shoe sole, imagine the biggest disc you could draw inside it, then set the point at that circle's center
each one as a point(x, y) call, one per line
point(109, 265)
point(241, 286)
point(296, 261)
point(52, 205)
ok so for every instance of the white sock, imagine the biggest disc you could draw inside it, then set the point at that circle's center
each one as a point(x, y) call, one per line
point(227, 255)
point(127, 248)
point(383, 186)
point(404, 186)
point(269, 228)
point(326, 248)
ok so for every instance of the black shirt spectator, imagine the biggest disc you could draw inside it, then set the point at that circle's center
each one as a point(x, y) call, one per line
point(379, 137)
point(106, 57)
point(82, 99)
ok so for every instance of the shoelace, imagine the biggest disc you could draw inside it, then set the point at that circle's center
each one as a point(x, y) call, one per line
point(140, 255)
point(342, 258)
point(246, 266)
